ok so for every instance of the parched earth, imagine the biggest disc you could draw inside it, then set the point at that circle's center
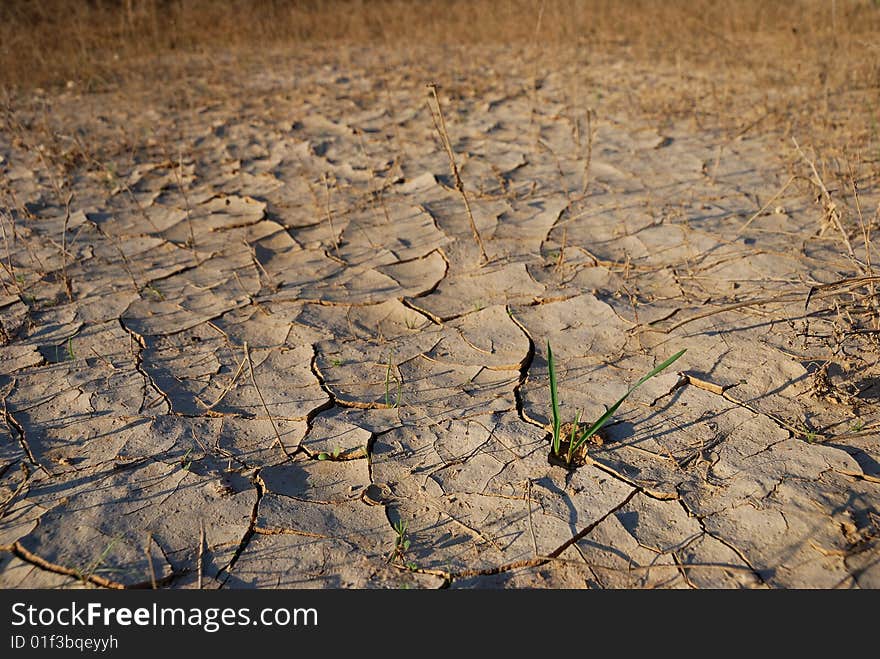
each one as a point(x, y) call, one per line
point(259, 346)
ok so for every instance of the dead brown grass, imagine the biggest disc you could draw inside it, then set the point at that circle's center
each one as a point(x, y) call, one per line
point(807, 68)
point(51, 41)
point(811, 67)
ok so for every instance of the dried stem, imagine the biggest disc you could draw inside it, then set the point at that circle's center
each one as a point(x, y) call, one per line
point(591, 134)
point(67, 285)
point(149, 558)
point(866, 237)
point(440, 125)
point(831, 210)
point(228, 387)
point(247, 354)
point(121, 183)
point(326, 180)
point(178, 175)
point(126, 264)
point(561, 259)
point(763, 208)
point(200, 559)
point(9, 266)
point(538, 53)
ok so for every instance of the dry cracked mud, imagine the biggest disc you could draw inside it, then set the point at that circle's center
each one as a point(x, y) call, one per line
point(249, 341)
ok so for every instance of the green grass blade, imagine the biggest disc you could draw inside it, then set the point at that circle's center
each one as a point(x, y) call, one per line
point(657, 370)
point(574, 430)
point(597, 426)
point(388, 383)
point(554, 400)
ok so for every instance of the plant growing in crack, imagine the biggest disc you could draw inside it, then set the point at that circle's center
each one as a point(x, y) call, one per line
point(341, 454)
point(69, 354)
point(401, 545)
point(333, 455)
point(565, 446)
point(186, 460)
point(811, 436)
point(155, 292)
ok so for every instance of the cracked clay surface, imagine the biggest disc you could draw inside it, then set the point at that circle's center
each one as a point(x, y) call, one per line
point(258, 347)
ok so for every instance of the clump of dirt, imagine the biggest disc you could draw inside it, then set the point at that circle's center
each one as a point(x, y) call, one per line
point(579, 457)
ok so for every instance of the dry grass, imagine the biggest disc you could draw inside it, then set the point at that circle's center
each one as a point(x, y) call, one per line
point(808, 69)
point(812, 67)
point(51, 41)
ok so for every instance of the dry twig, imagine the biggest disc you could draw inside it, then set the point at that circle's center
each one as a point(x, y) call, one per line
point(440, 125)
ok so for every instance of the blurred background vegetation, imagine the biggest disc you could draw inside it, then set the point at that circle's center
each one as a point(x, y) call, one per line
point(46, 42)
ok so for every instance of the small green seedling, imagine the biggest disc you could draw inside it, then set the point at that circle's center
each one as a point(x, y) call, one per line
point(336, 362)
point(401, 542)
point(68, 351)
point(155, 292)
point(330, 456)
point(186, 461)
point(577, 440)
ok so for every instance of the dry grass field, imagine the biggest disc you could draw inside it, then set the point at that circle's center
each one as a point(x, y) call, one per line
point(280, 281)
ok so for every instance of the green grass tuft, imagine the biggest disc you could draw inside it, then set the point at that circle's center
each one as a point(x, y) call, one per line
point(576, 440)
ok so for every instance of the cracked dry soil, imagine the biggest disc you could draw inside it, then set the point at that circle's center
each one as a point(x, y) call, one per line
point(260, 336)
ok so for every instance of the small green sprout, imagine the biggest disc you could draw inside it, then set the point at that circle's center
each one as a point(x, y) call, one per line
point(578, 440)
point(401, 542)
point(186, 461)
point(155, 292)
point(334, 455)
